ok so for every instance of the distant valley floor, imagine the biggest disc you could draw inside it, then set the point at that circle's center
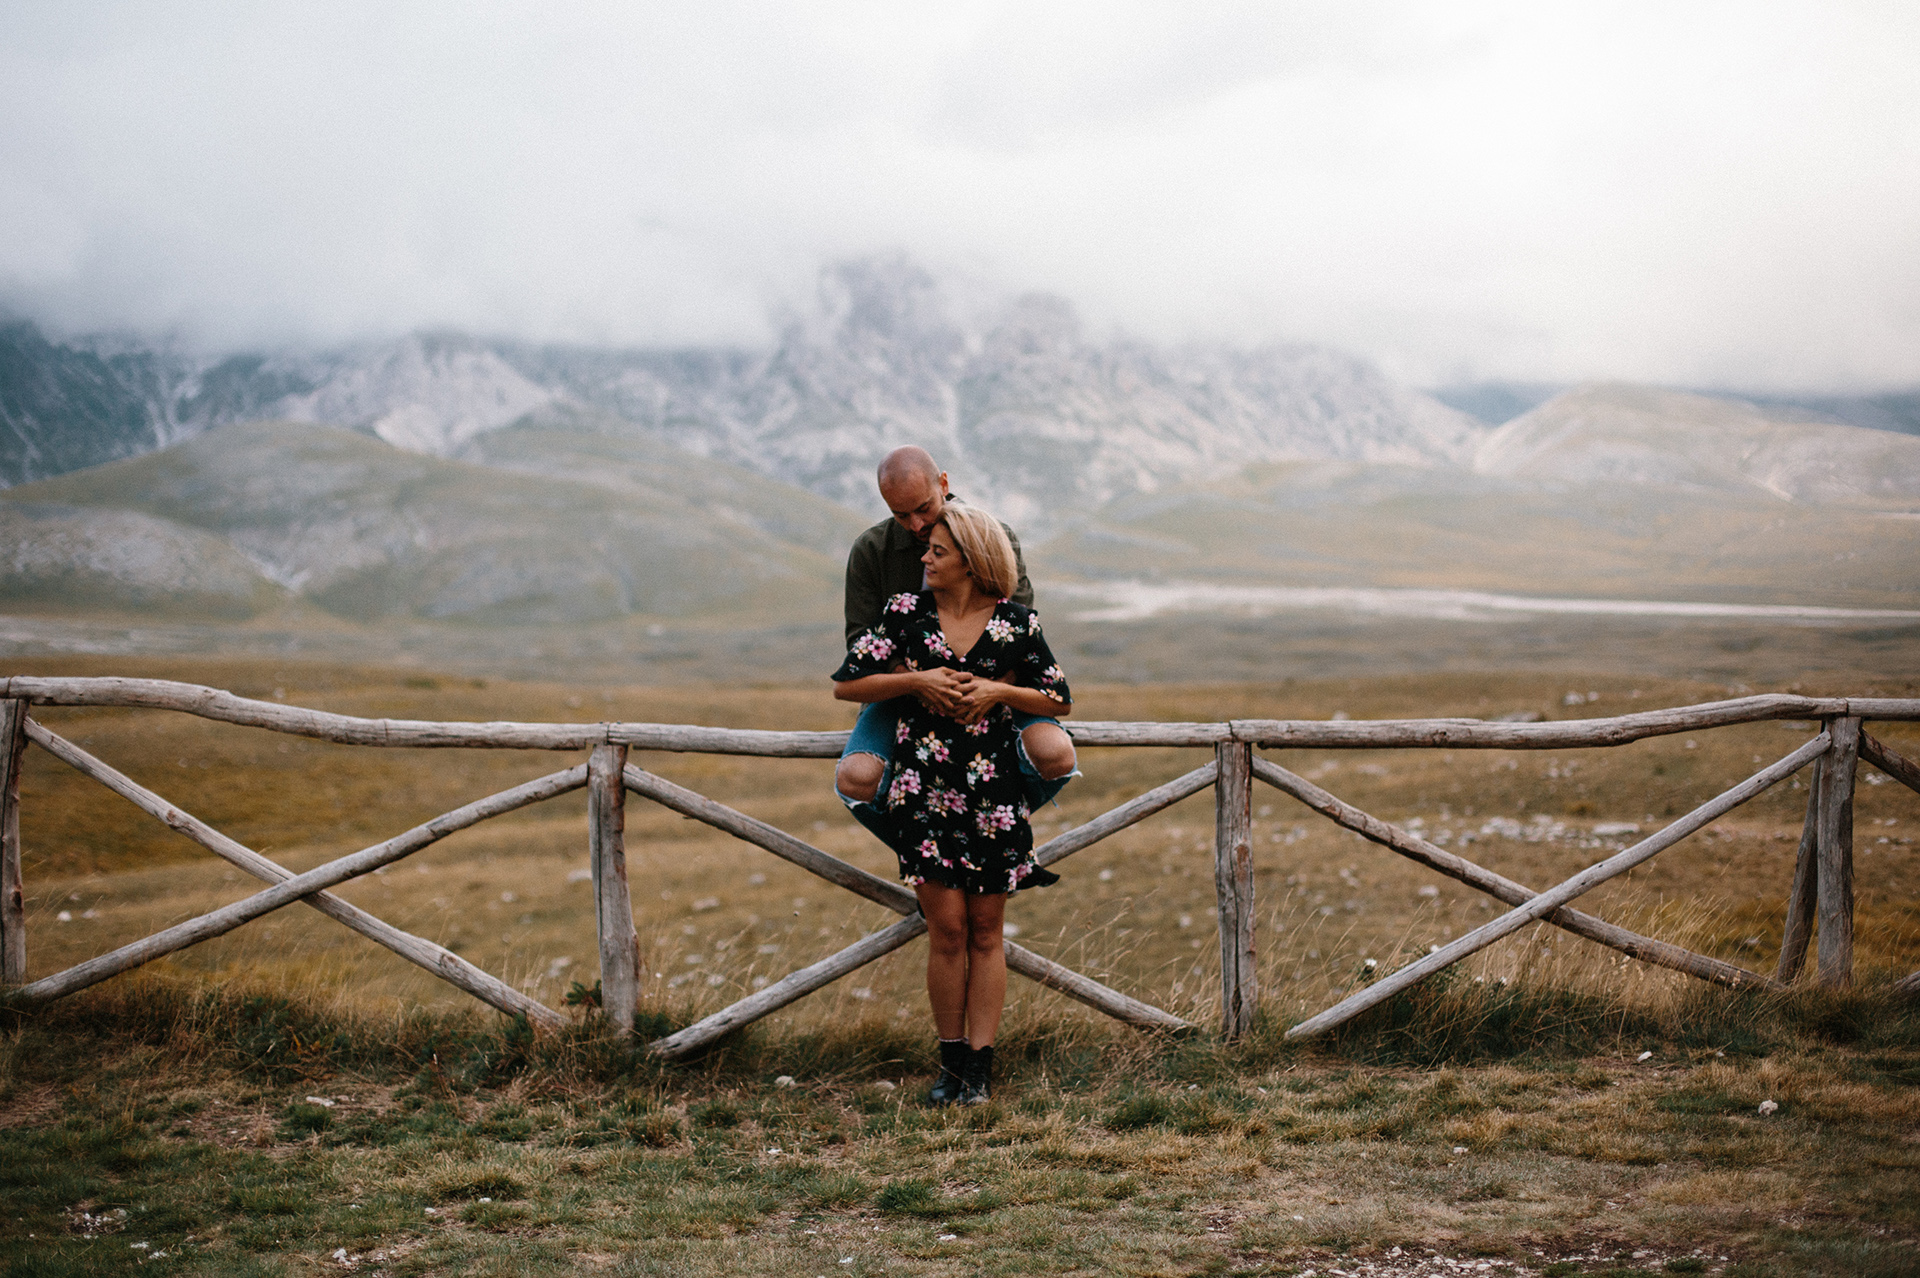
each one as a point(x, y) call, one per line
point(1102, 635)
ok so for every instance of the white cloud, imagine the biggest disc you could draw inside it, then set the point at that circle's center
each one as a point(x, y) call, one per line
point(1702, 193)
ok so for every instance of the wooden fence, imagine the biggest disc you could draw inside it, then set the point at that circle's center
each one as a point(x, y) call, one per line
point(1822, 883)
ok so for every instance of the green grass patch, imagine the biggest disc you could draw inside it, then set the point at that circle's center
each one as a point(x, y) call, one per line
point(131, 1120)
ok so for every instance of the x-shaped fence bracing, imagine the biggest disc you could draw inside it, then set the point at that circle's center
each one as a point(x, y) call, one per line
point(1822, 882)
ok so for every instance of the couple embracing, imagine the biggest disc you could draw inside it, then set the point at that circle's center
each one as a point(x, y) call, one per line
point(958, 742)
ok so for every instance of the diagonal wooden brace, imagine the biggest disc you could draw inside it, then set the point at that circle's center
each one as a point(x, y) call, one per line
point(897, 898)
point(1555, 897)
point(1894, 764)
point(1132, 812)
point(790, 988)
point(332, 874)
point(775, 840)
point(1415, 848)
point(443, 963)
point(797, 985)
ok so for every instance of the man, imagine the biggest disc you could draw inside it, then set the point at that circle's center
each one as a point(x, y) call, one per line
point(884, 562)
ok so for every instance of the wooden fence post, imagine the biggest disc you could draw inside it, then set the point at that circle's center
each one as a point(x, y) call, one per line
point(13, 899)
point(1233, 886)
point(1806, 886)
point(1835, 872)
point(612, 899)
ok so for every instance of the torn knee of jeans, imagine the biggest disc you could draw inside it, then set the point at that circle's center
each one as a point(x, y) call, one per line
point(848, 786)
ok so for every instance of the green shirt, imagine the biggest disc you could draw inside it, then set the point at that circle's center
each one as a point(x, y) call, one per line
point(885, 561)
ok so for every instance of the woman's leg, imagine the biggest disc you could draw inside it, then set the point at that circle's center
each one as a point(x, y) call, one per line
point(986, 967)
point(946, 912)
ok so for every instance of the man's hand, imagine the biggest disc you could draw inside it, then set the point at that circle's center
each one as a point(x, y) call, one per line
point(981, 696)
point(944, 691)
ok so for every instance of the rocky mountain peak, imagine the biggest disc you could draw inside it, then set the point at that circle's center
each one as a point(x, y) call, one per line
point(1029, 411)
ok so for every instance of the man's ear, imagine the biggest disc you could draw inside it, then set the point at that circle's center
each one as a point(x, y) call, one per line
point(943, 484)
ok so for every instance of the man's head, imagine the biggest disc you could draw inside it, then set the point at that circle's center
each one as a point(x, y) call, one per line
point(914, 488)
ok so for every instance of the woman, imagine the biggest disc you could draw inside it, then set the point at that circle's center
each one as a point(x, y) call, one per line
point(955, 801)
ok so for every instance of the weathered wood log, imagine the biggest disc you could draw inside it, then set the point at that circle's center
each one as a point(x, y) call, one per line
point(1909, 984)
point(796, 985)
point(333, 873)
point(1066, 981)
point(13, 889)
point(443, 963)
point(1893, 708)
point(1129, 813)
point(1798, 930)
point(1555, 897)
point(612, 897)
point(1106, 733)
point(1233, 887)
point(1834, 865)
point(211, 703)
point(1895, 765)
point(777, 841)
point(1434, 857)
point(1479, 735)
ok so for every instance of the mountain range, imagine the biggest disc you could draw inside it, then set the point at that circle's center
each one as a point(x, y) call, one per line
point(444, 477)
point(1039, 417)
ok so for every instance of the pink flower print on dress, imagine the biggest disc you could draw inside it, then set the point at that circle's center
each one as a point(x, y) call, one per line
point(1053, 674)
point(937, 642)
point(980, 729)
point(981, 769)
point(1033, 623)
point(907, 783)
point(902, 603)
point(998, 821)
point(931, 747)
point(874, 646)
point(940, 799)
point(1000, 630)
point(901, 732)
point(929, 848)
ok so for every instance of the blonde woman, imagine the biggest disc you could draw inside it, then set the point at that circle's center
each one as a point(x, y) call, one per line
point(955, 808)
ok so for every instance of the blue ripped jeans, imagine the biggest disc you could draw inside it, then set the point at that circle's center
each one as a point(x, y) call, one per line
point(873, 734)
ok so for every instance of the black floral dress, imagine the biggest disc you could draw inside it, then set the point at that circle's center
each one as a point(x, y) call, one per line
point(955, 809)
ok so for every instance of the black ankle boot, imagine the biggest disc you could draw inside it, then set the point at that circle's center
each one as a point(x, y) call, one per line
point(977, 1083)
point(953, 1066)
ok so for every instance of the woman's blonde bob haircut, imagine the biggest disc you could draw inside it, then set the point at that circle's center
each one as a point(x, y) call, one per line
point(983, 543)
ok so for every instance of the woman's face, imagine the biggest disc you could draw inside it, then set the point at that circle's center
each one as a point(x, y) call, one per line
point(946, 568)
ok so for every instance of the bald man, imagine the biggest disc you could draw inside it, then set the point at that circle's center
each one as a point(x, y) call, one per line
point(884, 562)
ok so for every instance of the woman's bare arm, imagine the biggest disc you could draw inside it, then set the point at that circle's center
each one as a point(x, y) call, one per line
point(942, 689)
point(985, 694)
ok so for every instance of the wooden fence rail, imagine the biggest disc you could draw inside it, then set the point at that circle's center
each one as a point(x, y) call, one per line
point(1820, 903)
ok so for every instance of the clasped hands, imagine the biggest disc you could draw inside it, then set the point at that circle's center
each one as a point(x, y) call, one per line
point(957, 693)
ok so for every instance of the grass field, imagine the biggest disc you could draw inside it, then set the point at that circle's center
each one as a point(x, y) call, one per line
point(1108, 1153)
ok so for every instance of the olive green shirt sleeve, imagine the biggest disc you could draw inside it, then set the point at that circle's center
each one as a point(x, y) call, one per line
point(866, 593)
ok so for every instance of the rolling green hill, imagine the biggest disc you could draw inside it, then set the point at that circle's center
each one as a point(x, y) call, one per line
point(648, 470)
point(369, 532)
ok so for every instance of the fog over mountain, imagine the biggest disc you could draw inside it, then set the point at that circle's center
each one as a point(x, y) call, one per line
point(1039, 416)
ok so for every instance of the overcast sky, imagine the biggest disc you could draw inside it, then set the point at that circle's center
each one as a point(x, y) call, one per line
point(1704, 194)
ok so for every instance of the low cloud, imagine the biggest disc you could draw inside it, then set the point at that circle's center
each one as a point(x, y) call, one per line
point(1710, 194)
